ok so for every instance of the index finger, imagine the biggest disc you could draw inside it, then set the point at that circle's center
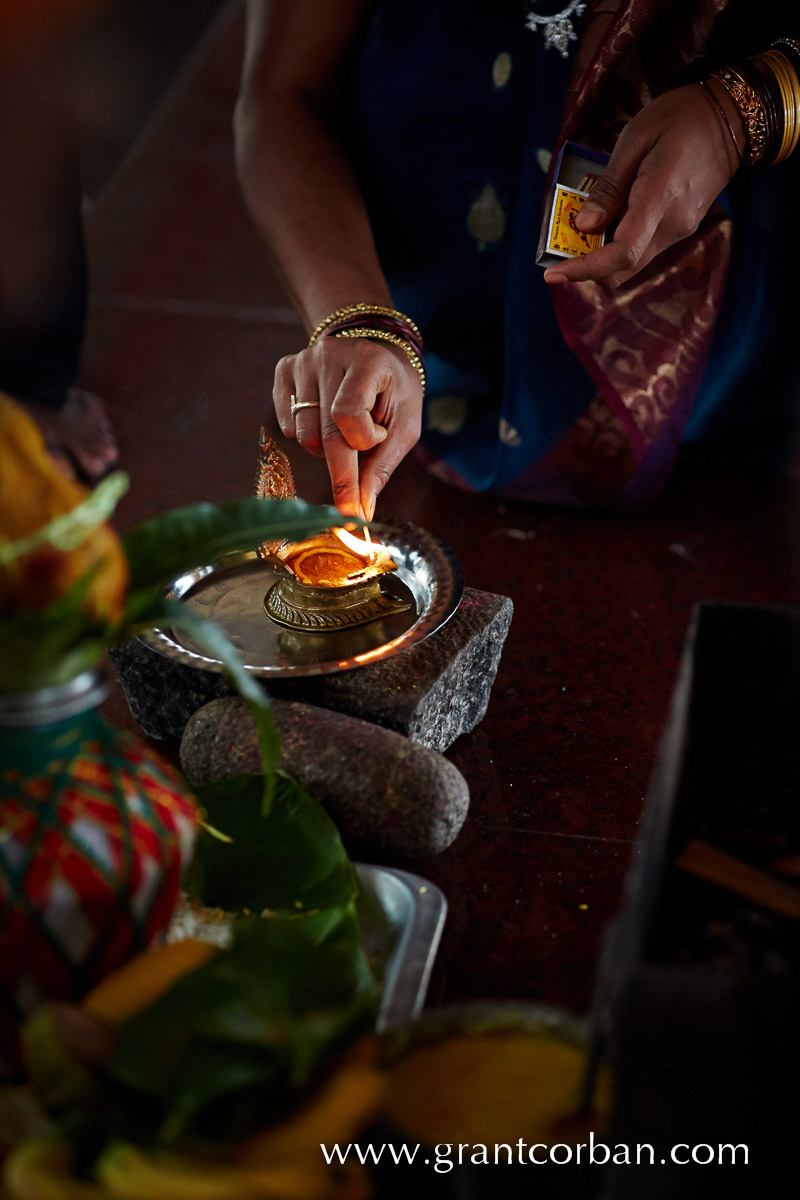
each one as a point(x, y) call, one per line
point(342, 463)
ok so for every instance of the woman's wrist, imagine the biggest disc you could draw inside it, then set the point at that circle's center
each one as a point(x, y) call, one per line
point(759, 103)
point(730, 120)
point(378, 322)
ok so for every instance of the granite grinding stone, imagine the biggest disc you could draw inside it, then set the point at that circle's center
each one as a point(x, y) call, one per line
point(390, 797)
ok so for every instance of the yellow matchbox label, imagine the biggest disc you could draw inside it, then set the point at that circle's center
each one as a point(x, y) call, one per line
point(565, 238)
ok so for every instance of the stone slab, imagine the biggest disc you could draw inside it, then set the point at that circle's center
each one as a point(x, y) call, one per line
point(432, 692)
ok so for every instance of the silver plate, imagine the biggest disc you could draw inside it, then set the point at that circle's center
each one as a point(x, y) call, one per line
point(231, 592)
point(402, 917)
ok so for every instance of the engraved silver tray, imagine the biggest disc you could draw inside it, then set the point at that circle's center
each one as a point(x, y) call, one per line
point(231, 592)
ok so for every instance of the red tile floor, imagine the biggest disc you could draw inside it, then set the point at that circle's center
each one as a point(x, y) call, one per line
point(186, 324)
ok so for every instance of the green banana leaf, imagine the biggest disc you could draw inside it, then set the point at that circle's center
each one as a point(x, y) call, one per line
point(164, 547)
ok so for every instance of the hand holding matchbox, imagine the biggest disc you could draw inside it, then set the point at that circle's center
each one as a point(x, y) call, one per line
point(577, 170)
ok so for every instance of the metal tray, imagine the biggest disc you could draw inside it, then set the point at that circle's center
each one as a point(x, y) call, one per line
point(402, 917)
point(231, 592)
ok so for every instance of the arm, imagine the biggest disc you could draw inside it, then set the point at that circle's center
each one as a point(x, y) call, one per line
point(305, 202)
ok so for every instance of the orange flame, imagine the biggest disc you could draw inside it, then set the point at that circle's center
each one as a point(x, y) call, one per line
point(364, 549)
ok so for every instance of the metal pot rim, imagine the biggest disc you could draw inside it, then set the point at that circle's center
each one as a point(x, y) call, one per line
point(47, 705)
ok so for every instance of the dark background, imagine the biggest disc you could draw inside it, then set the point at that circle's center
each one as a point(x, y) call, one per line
point(125, 61)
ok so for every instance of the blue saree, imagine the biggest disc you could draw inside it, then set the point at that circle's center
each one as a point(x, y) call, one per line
point(453, 112)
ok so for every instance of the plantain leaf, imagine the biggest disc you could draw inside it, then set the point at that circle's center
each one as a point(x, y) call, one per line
point(163, 548)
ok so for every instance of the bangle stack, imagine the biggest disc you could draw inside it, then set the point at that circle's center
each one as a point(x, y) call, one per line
point(783, 72)
point(751, 109)
point(724, 116)
point(379, 323)
point(766, 92)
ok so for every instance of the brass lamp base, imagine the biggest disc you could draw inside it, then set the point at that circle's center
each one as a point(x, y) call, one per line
point(311, 609)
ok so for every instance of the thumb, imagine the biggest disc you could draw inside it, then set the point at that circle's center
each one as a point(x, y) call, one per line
point(608, 197)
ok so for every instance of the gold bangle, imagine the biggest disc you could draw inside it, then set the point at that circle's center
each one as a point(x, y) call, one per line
point(794, 45)
point(351, 310)
point(782, 70)
point(750, 110)
point(789, 86)
point(394, 339)
point(724, 116)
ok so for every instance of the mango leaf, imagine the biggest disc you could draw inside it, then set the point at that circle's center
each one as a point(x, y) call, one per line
point(68, 530)
point(145, 611)
point(290, 862)
point(163, 548)
point(250, 1026)
point(47, 646)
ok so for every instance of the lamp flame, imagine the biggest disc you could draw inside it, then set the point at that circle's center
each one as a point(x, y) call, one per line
point(363, 548)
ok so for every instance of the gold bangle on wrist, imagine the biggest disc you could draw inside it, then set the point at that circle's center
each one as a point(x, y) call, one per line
point(394, 339)
point(788, 84)
point(750, 109)
point(766, 92)
point(352, 310)
point(724, 118)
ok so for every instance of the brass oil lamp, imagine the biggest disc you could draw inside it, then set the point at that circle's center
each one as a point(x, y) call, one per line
point(327, 583)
